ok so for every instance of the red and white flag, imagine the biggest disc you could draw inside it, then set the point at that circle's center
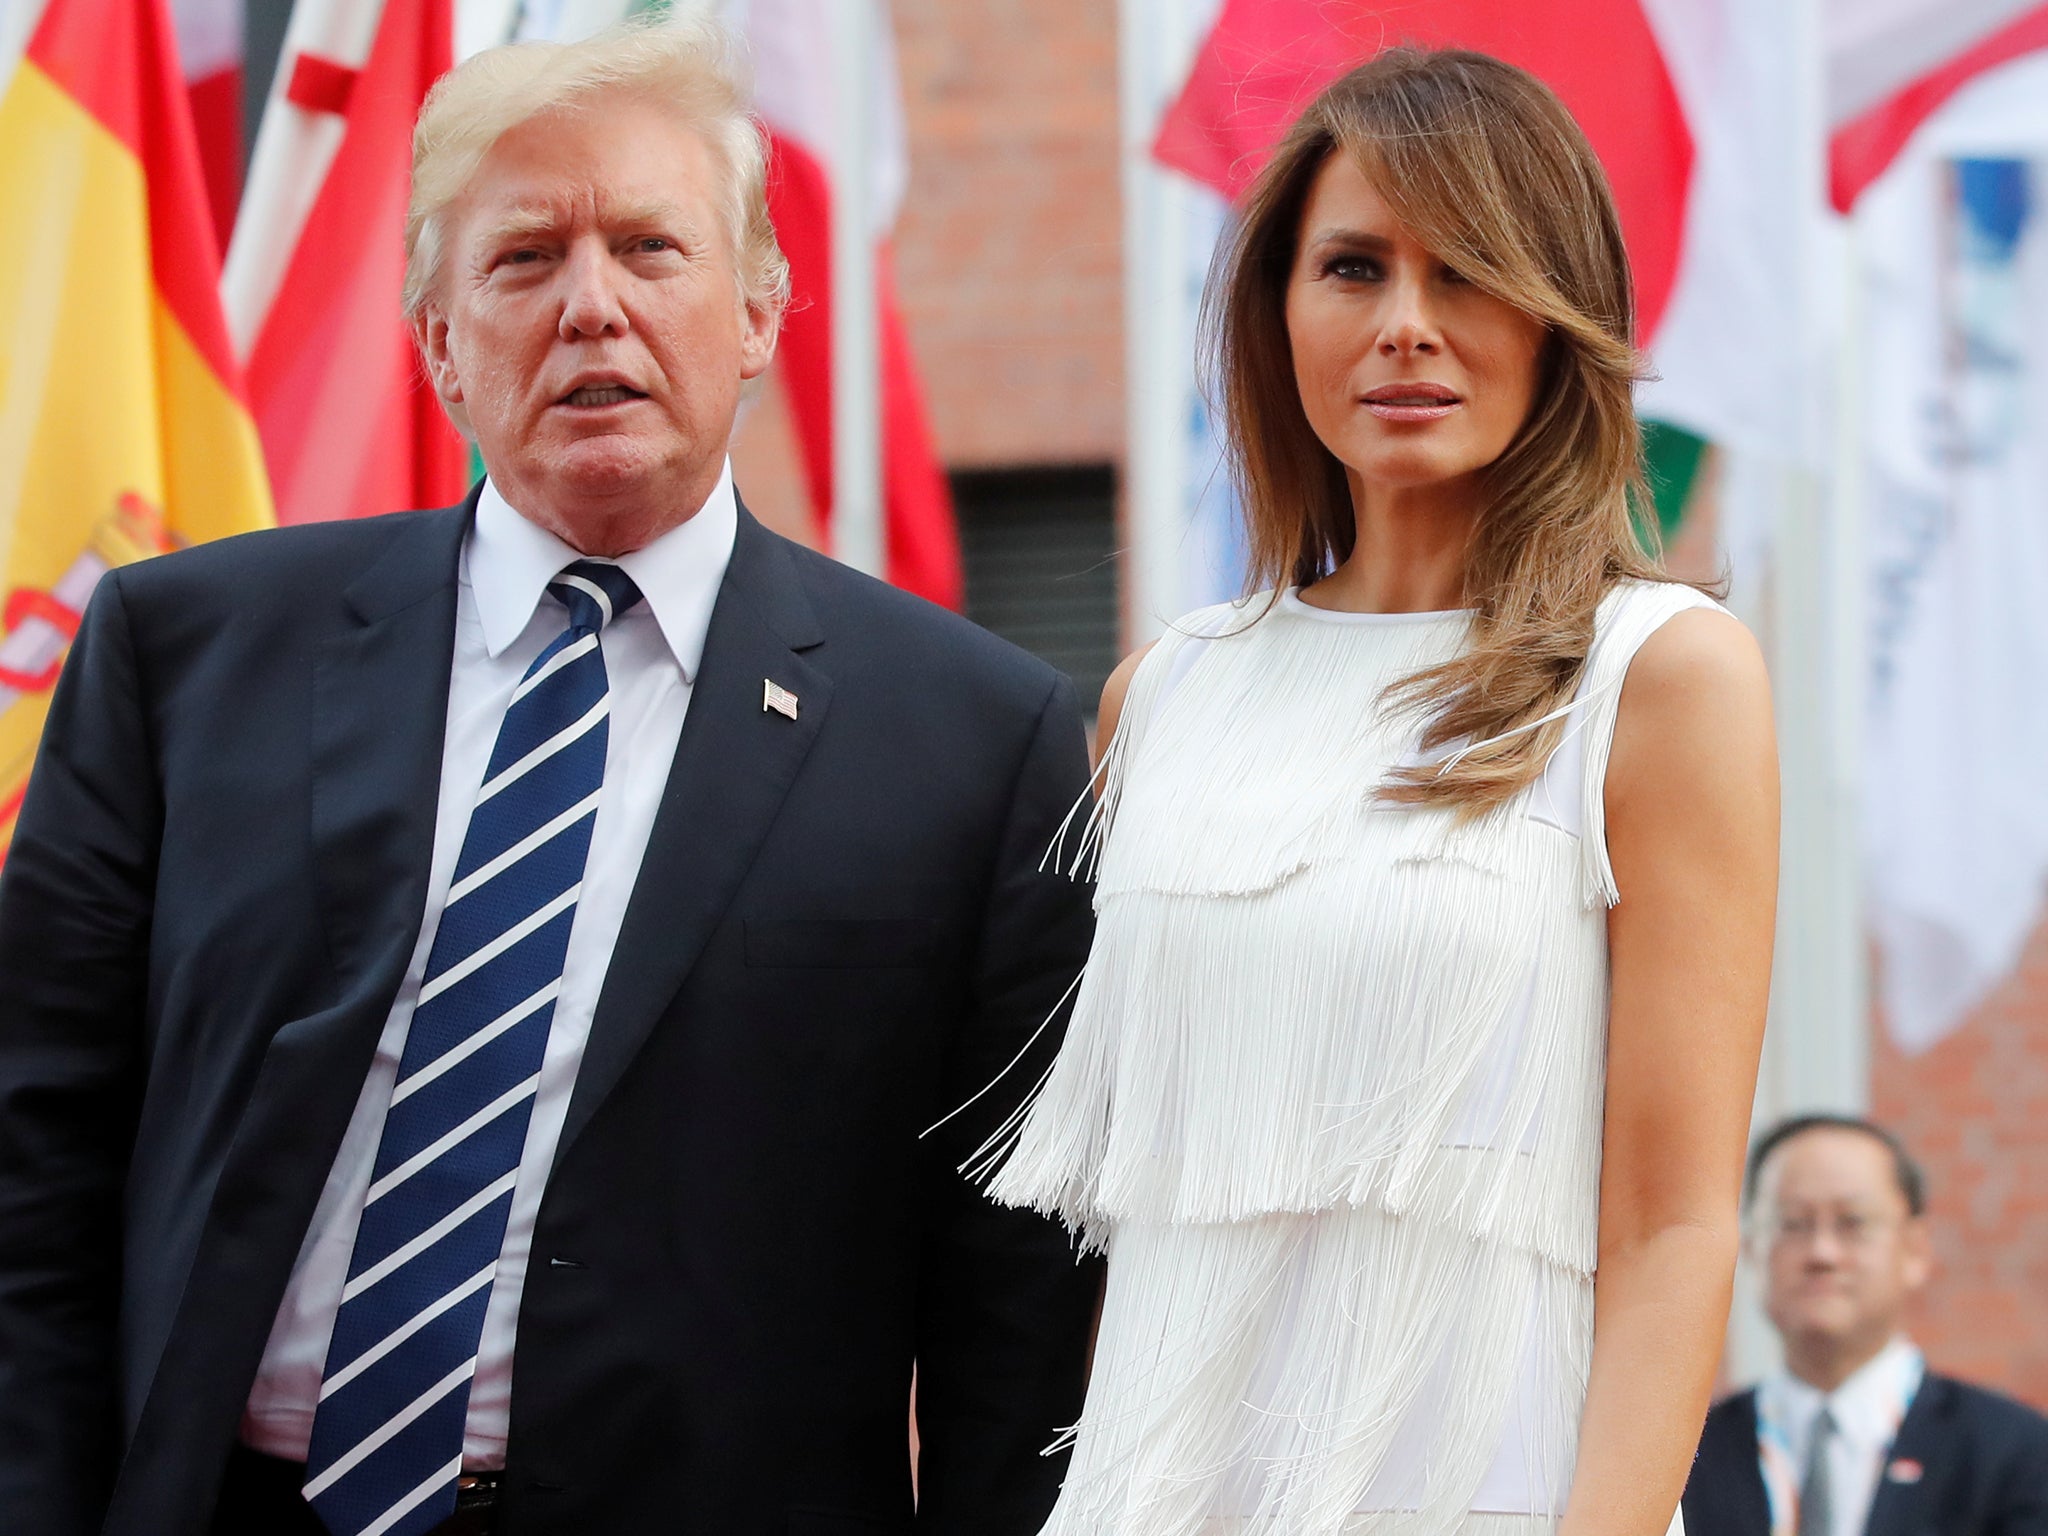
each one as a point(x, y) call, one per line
point(1892, 63)
point(350, 426)
point(210, 47)
point(1952, 346)
point(1265, 59)
point(790, 42)
point(1695, 108)
point(1688, 103)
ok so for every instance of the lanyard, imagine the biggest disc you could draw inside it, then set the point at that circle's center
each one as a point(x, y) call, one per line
point(1781, 1473)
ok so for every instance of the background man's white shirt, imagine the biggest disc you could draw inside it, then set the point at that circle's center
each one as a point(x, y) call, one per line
point(504, 619)
point(1868, 1409)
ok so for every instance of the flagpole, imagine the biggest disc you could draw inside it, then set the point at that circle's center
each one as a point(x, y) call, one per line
point(1156, 42)
point(1154, 380)
point(1817, 1046)
point(1819, 1054)
point(857, 526)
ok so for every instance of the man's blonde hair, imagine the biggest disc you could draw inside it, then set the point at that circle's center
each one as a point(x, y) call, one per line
point(691, 66)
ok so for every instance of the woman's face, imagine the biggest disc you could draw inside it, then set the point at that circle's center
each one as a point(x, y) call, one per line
point(1410, 375)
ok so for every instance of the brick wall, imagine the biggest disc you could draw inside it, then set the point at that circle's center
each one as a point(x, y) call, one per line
point(1008, 249)
point(1975, 1109)
point(1008, 259)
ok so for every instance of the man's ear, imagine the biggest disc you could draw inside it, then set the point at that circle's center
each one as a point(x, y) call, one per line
point(430, 331)
point(1918, 1258)
point(1755, 1247)
point(763, 325)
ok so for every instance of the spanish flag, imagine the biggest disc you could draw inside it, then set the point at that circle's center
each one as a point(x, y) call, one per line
point(122, 426)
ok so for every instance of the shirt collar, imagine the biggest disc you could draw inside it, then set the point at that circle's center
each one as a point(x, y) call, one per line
point(509, 561)
point(1868, 1407)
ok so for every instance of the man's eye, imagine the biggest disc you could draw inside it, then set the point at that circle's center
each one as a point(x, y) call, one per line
point(653, 243)
point(521, 258)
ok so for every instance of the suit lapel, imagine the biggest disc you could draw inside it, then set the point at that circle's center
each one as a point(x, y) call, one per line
point(1740, 1463)
point(734, 765)
point(380, 707)
point(380, 690)
point(1899, 1507)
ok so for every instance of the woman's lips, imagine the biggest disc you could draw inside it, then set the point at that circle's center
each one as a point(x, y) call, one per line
point(1411, 402)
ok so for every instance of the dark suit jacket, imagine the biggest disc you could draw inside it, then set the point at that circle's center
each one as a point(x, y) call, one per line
point(840, 932)
point(1983, 1469)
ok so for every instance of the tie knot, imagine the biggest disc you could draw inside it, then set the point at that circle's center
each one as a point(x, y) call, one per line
point(595, 592)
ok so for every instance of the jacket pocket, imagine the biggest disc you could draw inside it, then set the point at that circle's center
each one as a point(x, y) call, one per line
point(842, 942)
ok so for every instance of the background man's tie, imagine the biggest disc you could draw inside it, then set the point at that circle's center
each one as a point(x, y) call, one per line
point(387, 1436)
point(1817, 1494)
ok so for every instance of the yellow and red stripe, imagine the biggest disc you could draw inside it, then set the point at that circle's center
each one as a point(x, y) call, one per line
point(123, 428)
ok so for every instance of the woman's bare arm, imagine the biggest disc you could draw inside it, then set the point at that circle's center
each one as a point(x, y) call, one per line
point(1113, 693)
point(1692, 829)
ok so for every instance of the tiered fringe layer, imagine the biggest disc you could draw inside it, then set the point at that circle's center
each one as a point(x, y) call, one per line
point(1292, 1374)
point(1331, 1099)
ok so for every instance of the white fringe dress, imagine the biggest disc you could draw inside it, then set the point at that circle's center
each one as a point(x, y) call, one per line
point(1331, 1095)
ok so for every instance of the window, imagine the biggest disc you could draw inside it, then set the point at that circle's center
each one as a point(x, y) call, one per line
point(1040, 551)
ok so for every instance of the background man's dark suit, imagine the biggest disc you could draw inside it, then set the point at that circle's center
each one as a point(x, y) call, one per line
point(1983, 1469)
point(840, 931)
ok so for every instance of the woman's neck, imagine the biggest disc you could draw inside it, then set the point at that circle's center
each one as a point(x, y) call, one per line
point(1409, 553)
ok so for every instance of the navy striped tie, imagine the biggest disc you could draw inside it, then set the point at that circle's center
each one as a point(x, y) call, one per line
point(387, 1436)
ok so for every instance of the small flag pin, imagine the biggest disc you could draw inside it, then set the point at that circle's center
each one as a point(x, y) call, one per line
point(1905, 1470)
point(774, 696)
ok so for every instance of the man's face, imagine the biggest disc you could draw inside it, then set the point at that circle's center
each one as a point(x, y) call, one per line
point(1842, 1252)
point(589, 321)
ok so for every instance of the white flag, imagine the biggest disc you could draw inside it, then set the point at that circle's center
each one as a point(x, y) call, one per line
point(1954, 239)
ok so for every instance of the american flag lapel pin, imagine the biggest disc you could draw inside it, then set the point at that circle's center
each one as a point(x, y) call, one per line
point(778, 698)
point(1905, 1470)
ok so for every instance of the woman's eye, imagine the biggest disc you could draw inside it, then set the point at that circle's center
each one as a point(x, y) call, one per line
point(1453, 275)
point(1352, 269)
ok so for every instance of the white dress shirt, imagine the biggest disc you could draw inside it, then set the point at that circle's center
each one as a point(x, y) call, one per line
point(504, 618)
point(1868, 1409)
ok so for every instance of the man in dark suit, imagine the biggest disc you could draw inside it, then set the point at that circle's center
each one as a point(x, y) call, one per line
point(1855, 1437)
point(473, 983)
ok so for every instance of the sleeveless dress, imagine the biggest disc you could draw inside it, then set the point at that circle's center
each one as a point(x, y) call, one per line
point(1331, 1095)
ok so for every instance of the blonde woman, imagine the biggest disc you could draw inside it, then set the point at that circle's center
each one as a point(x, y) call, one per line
point(1407, 1086)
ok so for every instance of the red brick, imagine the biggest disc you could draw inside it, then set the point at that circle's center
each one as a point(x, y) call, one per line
point(1975, 1110)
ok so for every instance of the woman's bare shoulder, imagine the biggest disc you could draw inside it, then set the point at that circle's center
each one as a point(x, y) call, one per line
point(1114, 691)
point(1695, 708)
point(1696, 663)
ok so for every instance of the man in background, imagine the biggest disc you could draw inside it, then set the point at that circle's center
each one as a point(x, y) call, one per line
point(1855, 1436)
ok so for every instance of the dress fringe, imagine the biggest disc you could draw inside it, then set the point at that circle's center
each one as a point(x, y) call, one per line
point(1330, 1098)
point(1404, 1348)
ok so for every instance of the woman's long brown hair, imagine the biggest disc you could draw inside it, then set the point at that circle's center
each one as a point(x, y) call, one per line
point(1486, 167)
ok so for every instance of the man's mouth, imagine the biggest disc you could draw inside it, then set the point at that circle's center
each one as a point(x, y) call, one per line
point(601, 394)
